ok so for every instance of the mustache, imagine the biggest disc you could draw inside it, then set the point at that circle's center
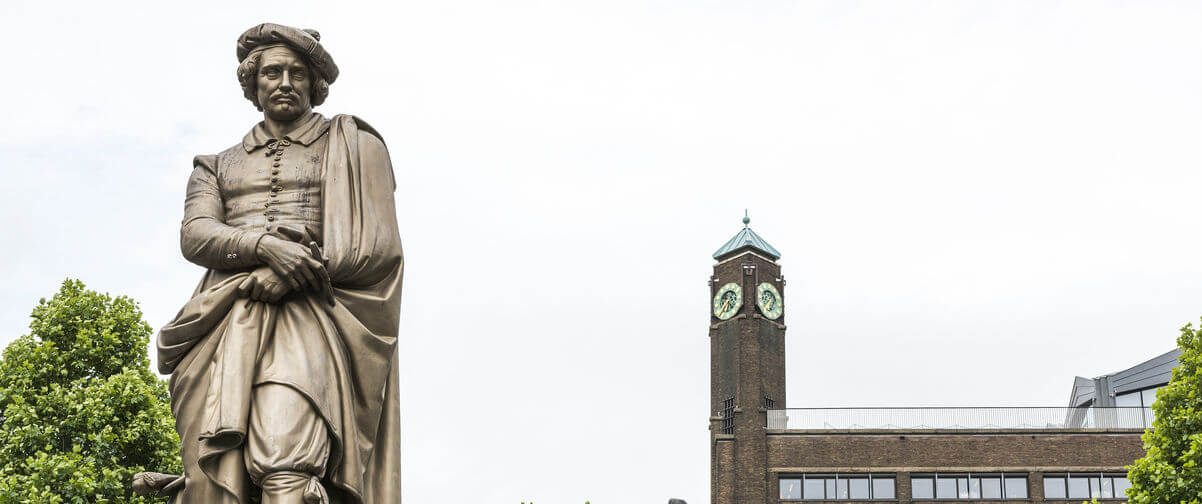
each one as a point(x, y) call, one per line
point(288, 95)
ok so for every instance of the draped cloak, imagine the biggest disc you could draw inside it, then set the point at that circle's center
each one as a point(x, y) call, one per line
point(216, 348)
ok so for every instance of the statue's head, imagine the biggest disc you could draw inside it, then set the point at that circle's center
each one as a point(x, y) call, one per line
point(284, 71)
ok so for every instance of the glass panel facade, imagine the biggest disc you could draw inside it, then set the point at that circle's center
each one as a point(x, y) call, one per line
point(814, 489)
point(1143, 398)
point(1053, 487)
point(1016, 487)
point(1107, 488)
point(1128, 400)
point(1078, 487)
point(922, 488)
point(790, 488)
point(1149, 397)
point(962, 488)
point(991, 488)
point(838, 487)
point(941, 486)
point(859, 488)
point(883, 488)
point(1120, 486)
point(945, 488)
point(1085, 486)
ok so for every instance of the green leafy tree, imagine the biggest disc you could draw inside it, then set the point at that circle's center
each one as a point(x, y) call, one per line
point(80, 410)
point(1171, 472)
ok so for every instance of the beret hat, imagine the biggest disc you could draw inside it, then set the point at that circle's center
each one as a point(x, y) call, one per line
point(303, 41)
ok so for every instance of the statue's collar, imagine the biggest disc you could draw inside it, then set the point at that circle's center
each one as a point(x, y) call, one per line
point(308, 132)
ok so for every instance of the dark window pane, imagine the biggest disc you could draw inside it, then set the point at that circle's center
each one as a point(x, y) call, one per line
point(1107, 488)
point(922, 488)
point(841, 488)
point(859, 488)
point(991, 488)
point(1053, 488)
point(974, 488)
point(1016, 487)
point(882, 488)
point(1121, 484)
point(1078, 487)
point(813, 489)
point(790, 488)
point(945, 488)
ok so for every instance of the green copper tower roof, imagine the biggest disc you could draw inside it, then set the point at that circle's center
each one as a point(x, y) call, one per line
point(746, 239)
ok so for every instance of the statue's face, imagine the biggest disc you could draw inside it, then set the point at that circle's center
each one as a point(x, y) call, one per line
point(284, 84)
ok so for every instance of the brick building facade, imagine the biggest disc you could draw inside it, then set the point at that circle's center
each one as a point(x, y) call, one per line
point(762, 452)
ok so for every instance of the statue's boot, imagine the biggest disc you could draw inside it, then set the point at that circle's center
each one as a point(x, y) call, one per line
point(155, 484)
point(293, 488)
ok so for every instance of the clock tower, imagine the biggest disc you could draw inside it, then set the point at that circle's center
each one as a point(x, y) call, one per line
point(747, 365)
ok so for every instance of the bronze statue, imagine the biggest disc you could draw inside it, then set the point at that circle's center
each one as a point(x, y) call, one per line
point(283, 363)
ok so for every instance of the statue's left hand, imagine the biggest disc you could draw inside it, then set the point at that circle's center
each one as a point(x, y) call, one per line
point(264, 285)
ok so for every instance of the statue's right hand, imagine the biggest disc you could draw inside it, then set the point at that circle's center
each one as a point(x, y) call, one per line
point(294, 263)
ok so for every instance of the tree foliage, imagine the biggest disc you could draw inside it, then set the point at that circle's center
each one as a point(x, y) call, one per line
point(1171, 472)
point(80, 410)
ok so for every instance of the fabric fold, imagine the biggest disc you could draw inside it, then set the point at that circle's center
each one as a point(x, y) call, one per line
point(341, 357)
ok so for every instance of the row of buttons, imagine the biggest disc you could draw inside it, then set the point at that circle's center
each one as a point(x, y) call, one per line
point(277, 148)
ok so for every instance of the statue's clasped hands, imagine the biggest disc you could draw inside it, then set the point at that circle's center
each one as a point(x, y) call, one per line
point(290, 266)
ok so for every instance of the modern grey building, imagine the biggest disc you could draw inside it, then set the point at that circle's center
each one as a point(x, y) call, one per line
point(1132, 387)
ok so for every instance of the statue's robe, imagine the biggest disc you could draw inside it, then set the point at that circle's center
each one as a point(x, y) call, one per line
point(215, 346)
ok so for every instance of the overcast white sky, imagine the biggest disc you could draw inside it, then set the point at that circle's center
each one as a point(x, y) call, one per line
point(975, 201)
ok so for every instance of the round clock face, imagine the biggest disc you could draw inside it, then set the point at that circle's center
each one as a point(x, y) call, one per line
point(768, 299)
point(728, 300)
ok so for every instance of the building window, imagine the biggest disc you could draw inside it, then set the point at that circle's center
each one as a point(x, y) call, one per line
point(728, 416)
point(1139, 398)
point(769, 403)
point(968, 486)
point(1085, 486)
point(852, 486)
point(1016, 486)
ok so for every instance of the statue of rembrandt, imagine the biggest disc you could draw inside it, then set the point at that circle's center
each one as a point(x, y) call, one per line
point(283, 363)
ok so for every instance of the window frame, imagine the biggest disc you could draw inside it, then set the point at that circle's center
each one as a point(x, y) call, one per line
point(967, 479)
point(836, 477)
point(728, 415)
point(1103, 477)
point(1155, 390)
point(1148, 415)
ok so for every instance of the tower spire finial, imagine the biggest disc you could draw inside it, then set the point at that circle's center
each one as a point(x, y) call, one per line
point(746, 239)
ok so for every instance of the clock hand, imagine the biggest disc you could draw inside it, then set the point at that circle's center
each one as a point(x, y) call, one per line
point(725, 303)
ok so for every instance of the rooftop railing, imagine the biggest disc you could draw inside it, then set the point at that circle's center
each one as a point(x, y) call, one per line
point(960, 418)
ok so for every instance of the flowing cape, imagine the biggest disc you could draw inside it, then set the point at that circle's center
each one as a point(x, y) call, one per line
point(214, 346)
